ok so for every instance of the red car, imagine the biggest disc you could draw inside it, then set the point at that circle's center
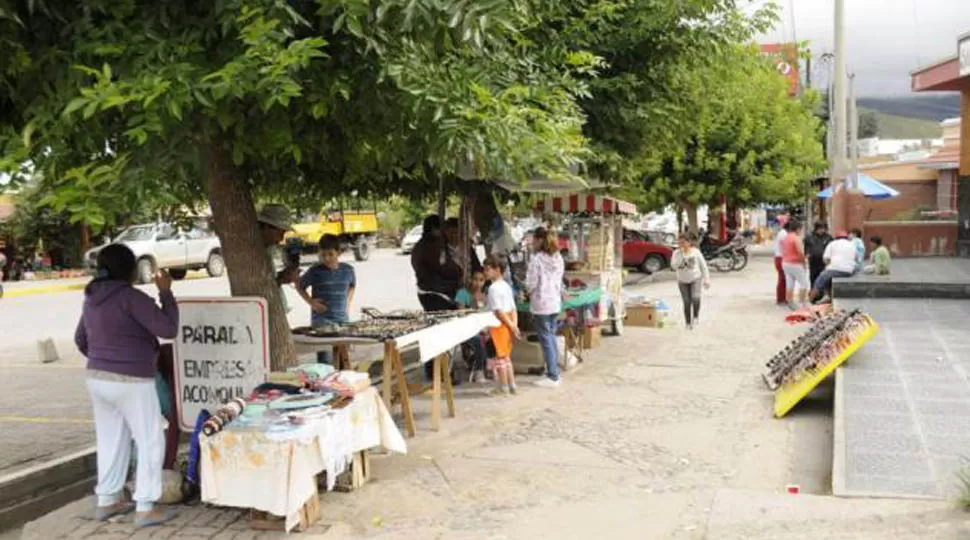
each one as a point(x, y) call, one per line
point(641, 251)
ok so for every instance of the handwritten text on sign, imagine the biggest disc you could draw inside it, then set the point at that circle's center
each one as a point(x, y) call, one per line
point(221, 352)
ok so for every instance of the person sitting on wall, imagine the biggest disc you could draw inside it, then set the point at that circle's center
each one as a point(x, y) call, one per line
point(840, 258)
point(880, 260)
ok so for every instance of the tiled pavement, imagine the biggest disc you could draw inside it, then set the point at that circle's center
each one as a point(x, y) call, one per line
point(905, 401)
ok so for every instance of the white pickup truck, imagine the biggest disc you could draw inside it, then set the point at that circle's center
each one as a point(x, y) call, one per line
point(160, 245)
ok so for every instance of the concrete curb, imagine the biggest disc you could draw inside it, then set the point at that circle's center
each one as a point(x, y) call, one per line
point(33, 492)
point(49, 289)
point(43, 290)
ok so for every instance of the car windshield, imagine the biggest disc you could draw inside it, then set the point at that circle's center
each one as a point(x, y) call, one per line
point(136, 234)
point(415, 231)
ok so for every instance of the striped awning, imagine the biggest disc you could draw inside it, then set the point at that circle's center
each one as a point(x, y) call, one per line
point(576, 204)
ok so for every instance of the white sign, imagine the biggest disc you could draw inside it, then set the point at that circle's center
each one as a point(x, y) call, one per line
point(964, 54)
point(221, 352)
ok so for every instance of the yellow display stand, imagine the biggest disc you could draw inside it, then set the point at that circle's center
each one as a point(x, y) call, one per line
point(788, 395)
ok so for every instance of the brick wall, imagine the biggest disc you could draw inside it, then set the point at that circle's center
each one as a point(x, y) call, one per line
point(911, 195)
point(915, 238)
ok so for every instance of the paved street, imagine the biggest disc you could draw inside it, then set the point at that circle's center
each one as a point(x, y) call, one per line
point(44, 410)
point(661, 434)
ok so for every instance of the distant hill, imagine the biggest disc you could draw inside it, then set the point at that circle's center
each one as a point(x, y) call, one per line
point(900, 127)
point(935, 108)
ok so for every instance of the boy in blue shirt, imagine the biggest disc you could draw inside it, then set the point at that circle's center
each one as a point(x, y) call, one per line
point(332, 284)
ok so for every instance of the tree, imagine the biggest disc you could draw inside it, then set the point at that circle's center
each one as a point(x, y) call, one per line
point(642, 99)
point(868, 124)
point(749, 142)
point(229, 100)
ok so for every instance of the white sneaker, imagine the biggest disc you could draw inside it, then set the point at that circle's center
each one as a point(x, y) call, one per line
point(546, 382)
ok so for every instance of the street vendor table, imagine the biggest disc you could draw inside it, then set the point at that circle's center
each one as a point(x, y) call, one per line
point(276, 472)
point(585, 297)
point(573, 300)
point(433, 343)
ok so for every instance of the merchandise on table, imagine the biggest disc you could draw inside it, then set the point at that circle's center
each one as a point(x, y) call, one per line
point(376, 329)
point(825, 341)
point(413, 314)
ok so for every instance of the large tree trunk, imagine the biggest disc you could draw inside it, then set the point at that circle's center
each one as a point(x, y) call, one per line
point(692, 224)
point(247, 263)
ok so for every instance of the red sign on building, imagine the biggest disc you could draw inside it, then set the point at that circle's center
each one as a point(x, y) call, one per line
point(785, 57)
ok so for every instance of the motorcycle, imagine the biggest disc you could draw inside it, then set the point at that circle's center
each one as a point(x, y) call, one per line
point(722, 258)
point(739, 249)
point(725, 256)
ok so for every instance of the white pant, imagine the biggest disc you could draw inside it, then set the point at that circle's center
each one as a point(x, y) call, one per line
point(795, 274)
point(123, 410)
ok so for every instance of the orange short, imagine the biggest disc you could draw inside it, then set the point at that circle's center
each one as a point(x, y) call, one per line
point(502, 341)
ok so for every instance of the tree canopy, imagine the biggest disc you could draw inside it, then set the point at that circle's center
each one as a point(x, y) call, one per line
point(115, 103)
point(749, 141)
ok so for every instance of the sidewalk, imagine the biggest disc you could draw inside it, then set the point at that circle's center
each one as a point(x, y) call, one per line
point(661, 434)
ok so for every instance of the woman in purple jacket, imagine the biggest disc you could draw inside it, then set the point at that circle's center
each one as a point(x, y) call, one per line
point(118, 333)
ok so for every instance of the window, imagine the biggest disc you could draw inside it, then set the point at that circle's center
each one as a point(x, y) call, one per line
point(139, 233)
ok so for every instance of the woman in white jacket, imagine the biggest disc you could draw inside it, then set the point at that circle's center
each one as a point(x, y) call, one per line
point(692, 273)
point(544, 283)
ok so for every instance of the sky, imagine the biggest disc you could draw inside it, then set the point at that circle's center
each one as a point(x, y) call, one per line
point(886, 39)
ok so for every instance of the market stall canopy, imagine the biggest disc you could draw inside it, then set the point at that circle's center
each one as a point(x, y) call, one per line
point(579, 203)
point(870, 187)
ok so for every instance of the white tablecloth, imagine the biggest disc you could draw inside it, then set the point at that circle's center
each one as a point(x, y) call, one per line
point(250, 469)
point(431, 341)
point(443, 337)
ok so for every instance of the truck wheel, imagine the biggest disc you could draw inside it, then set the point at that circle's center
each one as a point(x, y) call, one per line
point(146, 270)
point(216, 265)
point(178, 273)
point(362, 250)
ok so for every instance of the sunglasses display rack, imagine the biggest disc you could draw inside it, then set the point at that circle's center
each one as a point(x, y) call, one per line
point(796, 370)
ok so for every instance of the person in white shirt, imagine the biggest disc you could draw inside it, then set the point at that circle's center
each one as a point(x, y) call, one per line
point(781, 298)
point(501, 301)
point(840, 259)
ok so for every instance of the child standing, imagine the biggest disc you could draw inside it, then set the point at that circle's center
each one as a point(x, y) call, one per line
point(473, 297)
point(501, 301)
point(332, 285)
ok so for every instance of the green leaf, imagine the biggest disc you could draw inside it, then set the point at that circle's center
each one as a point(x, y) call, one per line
point(90, 110)
point(201, 98)
point(319, 110)
point(106, 69)
point(238, 157)
point(74, 105)
point(174, 109)
point(28, 132)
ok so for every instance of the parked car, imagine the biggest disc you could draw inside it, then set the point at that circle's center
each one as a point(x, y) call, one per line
point(641, 252)
point(161, 245)
point(411, 238)
point(663, 238)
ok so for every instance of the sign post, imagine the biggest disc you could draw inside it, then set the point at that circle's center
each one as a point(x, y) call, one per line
point(221, 352)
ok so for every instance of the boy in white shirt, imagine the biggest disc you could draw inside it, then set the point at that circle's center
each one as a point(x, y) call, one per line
point(501, 301)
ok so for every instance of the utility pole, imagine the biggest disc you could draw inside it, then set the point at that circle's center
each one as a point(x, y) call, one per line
point(853, 178)
point(839, 218)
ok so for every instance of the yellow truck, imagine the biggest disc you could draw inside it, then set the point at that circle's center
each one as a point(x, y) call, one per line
point(356, 228)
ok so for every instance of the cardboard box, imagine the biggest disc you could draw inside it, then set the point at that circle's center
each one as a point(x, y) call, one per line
point(646, 316)
point(592, 337)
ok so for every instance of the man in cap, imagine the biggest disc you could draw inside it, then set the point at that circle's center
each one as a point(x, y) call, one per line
point(274, 221)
